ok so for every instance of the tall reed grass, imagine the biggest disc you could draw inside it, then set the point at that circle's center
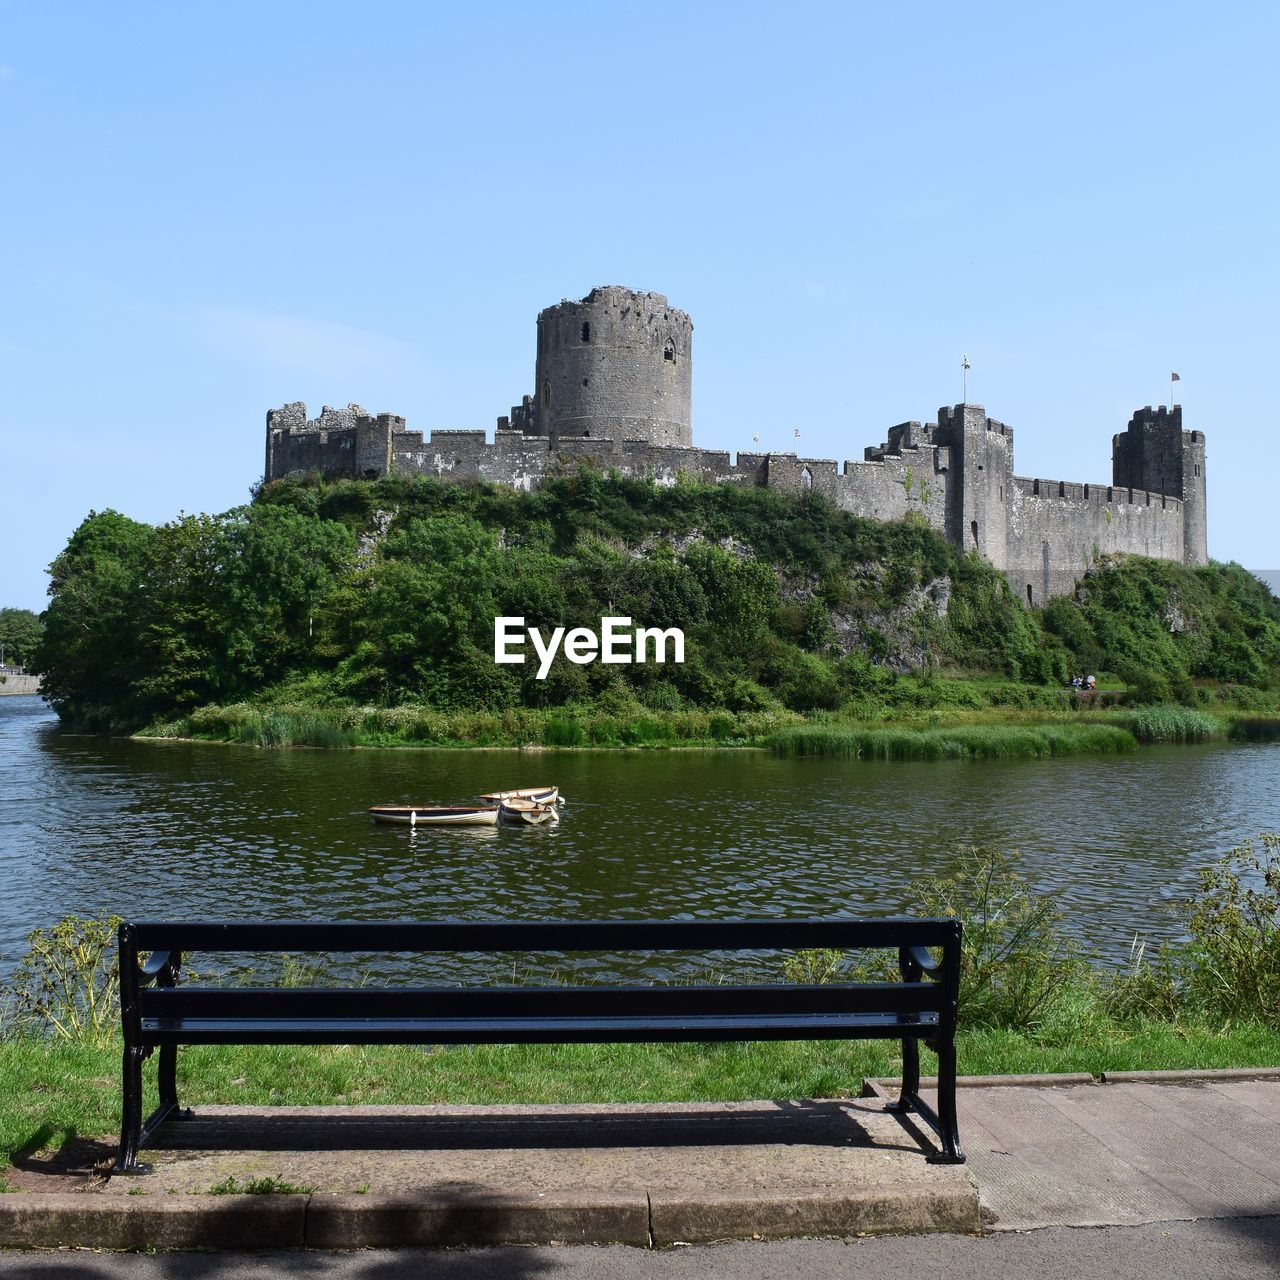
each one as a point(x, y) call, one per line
point(272, 727)
point(930, 735)
point(572, 726)
point(976, 742)
point(1169, 724)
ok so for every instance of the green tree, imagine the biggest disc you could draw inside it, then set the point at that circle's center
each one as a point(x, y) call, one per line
point(19, 635)
point(283, 570)
point(89, 657)
point(428, 606)
point(185, 627)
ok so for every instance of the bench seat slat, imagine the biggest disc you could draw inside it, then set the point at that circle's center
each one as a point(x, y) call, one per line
point(579, 1030)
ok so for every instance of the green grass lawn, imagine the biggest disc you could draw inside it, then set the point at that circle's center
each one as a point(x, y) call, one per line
point(52, 1091)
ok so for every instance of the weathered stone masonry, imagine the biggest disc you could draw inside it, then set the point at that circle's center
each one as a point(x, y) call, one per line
point(614, 390)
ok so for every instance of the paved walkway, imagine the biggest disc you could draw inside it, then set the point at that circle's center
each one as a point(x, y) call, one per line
point(1053, 1152)
point(1123, 1153)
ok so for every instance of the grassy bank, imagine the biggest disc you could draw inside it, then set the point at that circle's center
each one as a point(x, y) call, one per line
point(997, 725)
point(51, 1092)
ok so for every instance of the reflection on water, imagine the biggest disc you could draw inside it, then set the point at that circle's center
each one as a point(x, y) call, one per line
point(94, 826)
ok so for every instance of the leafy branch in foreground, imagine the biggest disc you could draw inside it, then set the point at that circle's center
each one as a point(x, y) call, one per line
point(69, 982)
point(1016, 960)
point(1231, 961)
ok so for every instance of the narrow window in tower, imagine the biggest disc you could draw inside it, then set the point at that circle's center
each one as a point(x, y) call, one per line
point(586, 331)
point(973, 526)
point(669, 352)
point(1030, 597)
point(546, 394)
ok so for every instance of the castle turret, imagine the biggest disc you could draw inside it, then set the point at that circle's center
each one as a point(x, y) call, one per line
point(981, 464)
point(1157, 455)
point(617, 365)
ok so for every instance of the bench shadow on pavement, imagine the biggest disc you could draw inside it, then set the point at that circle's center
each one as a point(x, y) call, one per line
point(787, 1123)
point(1258, 1233)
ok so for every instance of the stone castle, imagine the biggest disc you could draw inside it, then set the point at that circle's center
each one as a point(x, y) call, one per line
point(614, 391)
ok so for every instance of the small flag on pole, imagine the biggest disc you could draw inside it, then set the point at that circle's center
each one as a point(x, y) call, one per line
point(755, 439)
point(797, 433)
point(1173, 377)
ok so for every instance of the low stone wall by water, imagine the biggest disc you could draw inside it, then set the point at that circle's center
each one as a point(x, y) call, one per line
point(14, 682)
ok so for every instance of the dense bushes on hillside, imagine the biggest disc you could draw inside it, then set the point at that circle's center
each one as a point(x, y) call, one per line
point(385, 593)
point(1159, 626)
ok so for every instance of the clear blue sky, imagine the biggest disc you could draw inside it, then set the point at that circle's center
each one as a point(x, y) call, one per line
point(212, 209)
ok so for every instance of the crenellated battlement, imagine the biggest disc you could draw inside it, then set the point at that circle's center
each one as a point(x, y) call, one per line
point(1097, 495)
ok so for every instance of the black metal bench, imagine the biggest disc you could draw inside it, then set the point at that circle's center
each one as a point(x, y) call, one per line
point(158, 1013)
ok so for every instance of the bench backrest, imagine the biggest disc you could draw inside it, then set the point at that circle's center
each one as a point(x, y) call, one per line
point(539, 935)
point(927, 985)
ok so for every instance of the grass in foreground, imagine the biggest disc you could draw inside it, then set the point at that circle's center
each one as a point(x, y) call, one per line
point(51, 1092)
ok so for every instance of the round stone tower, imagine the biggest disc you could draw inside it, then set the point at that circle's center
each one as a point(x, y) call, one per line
point(616, 365)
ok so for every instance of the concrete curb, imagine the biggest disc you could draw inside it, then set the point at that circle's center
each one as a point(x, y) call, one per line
point(45, 1220)
point(386, 1221)
point(1221, 1075)
point(888, 1088)
point(889, 1210)
point(39, 1220)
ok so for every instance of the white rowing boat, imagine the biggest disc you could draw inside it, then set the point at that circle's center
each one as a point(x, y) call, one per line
point(539, 795)
point(532, 812)
point(463, 815)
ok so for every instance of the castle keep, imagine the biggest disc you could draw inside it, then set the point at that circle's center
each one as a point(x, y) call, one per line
point(613, 389)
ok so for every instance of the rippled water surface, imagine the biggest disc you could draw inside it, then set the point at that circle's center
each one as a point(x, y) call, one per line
point(97, 826)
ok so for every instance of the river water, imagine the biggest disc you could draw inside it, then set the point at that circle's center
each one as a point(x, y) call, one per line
point(184, 830)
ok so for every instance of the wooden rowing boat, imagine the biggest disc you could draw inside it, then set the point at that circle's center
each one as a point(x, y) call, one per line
point(540, 795)
point(463, 815)
point(533, 812)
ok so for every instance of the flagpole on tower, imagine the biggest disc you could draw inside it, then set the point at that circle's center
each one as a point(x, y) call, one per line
point(1173, 377)
point(965, 366)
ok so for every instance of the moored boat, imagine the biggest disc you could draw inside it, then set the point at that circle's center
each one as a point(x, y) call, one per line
point(533, 812)
point(462, 815)
point(539, 795)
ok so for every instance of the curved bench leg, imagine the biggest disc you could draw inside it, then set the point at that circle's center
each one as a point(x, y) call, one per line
point(131, 1113)
point(167, 1079)
point(948, 1122)
point(910, 1076)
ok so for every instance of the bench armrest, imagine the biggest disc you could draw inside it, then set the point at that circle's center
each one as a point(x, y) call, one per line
point(160, 967)
point(921, 958)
